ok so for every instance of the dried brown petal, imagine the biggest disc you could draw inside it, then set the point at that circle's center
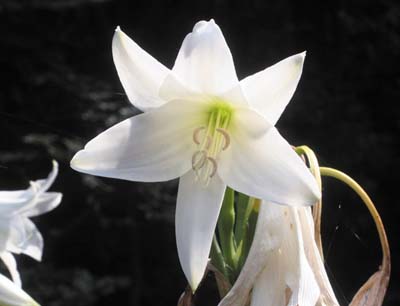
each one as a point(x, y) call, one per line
point(373, 291)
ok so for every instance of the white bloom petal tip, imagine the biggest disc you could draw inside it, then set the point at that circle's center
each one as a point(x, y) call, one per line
point(202, 25)
point(75, 163)
point(141, 75)
point(196, 216)
point(199, 26)
point(194, 282)
point(299, 58)
point(12, 295)
point(55, 165)
point(270, 90)
point(81, 162)
point(205, 62)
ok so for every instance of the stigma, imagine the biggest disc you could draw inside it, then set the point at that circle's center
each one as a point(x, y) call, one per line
point(211, 139)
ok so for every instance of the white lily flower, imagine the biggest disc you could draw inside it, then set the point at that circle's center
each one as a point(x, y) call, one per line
point(18, 234)
point(201, 124)
point(13, 295)
point(284, 267)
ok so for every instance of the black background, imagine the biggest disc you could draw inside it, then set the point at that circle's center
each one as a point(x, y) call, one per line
point(112, 242)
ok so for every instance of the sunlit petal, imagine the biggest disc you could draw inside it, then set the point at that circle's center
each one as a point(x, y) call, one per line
point(204, 61)
point(197, 211)
point(43, 185)
point(154, 146)
point(141, 75)
point(25, 238)
point(12, 201)
point(269, 91)
point(293, 281)
point(268, 168)
point(327, 296)
point(32, 201)
point(265, 241)
point(43, 204)
point(12, 295)
point(270, 287)
point(9, 260)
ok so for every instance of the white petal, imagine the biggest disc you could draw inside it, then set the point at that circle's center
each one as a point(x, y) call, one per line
point(141, 75)
point(269, 91)
point(299, 275)
point(11, 265)
point(25, 238)
point(267, 168)
point(12, 295)
point(307, 224)
point(154, 146)
point(287, 278)
point(44, 203)
point(12, 201)
point(196, 215)
point(41, 186)
point(5, 228)
point(26, 201)
point(173, 89)
point(249, 123)
point(265, 240)
point(204, 61)
point(270, 287)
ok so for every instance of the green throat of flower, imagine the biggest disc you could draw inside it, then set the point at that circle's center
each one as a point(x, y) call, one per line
point(211, 138)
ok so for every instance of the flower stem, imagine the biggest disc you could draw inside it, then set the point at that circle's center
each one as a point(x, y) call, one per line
point(226, 223)
point(248, 235)
point(217, 258)
point(243, 209)
point(371, 207)
point(317, 208)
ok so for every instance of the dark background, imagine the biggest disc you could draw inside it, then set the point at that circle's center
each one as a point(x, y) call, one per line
point(112, 242)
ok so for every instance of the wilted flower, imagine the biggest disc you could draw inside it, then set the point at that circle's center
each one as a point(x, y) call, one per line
point(201, 124)
point(13, 295)
point(284, 266)
point(18, 234)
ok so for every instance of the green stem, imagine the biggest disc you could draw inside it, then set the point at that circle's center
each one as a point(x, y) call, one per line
point(243, 209)
point(226, 222)
point(317, 208)
point(217, 258)
point(369, 204)
point(254, 205)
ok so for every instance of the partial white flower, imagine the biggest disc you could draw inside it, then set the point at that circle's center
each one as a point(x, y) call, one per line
point(327, 296)
point(201, 124)
point(284, 267)
point(18, 234)
point(13, 295)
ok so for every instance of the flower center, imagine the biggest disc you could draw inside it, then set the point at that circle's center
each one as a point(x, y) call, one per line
point(211, 139)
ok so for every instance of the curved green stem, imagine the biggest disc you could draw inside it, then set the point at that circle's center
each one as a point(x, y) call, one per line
point(317, 208)
point(371, 207)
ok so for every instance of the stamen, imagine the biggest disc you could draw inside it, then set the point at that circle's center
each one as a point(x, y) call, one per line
point(211, 138)
point(227, 138)
point(196, 134)
point(214, 164)
point(208, 143)
point(199, 158)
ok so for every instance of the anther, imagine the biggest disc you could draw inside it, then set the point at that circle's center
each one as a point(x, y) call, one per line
point(214, 164)
point(199, 158)
point(196, 134)
point(227, 138)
